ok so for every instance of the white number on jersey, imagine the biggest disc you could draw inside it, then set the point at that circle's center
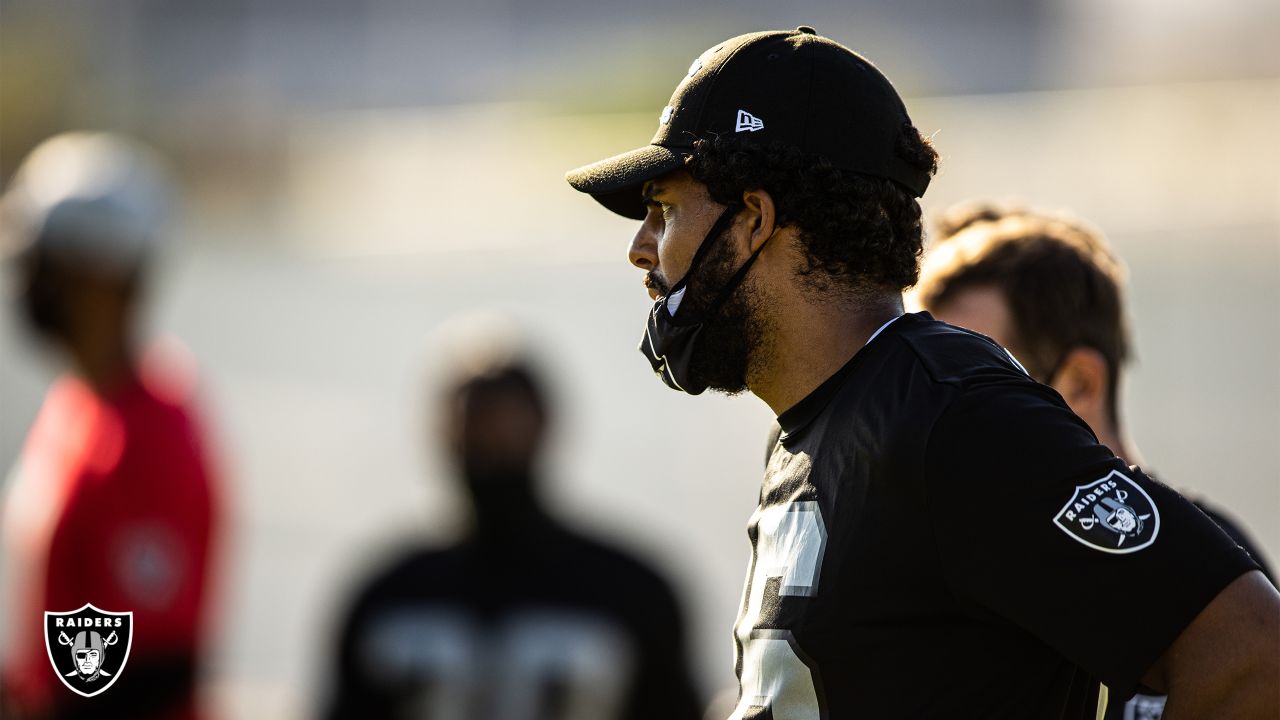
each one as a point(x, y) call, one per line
point(790, 542)
point(535, 662)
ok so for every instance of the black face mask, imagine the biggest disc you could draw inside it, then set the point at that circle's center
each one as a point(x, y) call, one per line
point(43, 305)
point(670, 343)
point(501, 495)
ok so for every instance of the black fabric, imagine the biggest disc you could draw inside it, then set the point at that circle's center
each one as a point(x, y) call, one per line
point(162, 687)
point(943, 587)
point(615, 182)
point(793, 87)
point(1147, 704)
point(1237, 533)
point(454, 626)
point(671, 343)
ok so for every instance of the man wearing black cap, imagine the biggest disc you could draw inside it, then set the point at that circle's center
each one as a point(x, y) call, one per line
point(929, 540)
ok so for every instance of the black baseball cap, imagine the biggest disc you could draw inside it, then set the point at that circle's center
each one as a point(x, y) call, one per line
point(791, 86)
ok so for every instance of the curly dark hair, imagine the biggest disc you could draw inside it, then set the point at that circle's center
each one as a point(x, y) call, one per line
point(857, 232)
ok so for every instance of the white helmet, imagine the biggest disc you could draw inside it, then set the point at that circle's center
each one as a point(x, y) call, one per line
point(89, 197)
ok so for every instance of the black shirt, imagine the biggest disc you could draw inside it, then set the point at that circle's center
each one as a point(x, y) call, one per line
point(541, 623)
point(939, 536)
point(1147, 704)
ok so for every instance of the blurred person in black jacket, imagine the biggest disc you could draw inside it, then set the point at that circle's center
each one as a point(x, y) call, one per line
point(523, 618)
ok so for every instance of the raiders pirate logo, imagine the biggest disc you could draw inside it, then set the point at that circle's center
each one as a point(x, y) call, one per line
point(1114, 515)
point(88, 647)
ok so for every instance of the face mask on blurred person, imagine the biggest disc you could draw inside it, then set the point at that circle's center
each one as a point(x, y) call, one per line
point(43, 305)
point(671, 344)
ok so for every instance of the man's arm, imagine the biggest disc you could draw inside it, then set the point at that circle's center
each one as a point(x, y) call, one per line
point(1055, 485)
point(1226, 663)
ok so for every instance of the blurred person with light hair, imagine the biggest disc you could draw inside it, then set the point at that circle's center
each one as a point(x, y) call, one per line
point(1048, 287)
point(113, 501)
point(523, 617)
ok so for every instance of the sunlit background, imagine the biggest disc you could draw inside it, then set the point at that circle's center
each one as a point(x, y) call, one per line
point(356, 173)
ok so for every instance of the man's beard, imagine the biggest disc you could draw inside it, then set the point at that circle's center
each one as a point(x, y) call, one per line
point(732, 339)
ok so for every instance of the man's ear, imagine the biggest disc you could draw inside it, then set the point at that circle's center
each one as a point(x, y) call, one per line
point(1083, 381)
point(761, 216)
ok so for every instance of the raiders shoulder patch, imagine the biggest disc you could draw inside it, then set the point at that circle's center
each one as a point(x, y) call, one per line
point(1113, 514)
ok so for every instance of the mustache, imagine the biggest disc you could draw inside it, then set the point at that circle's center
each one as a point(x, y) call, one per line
point(653, 279)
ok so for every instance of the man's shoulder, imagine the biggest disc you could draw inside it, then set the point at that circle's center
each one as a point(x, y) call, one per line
point(954, 355)
point(609, 563)
point(915, 370)
point(405, 574)
point(976, 385)
point(426, 572)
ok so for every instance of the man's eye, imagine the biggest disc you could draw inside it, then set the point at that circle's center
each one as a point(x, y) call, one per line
point(664, 209)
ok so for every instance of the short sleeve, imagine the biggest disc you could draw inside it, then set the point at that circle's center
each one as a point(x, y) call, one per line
point(1236, 532)
point(1041, 525)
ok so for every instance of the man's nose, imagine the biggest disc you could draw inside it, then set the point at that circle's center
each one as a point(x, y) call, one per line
point(643, 252)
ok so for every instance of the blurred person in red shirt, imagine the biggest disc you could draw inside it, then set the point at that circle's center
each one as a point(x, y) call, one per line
point(112, 502)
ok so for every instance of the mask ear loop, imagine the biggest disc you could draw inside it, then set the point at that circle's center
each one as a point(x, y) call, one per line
point(737, 278)
point(722, 224)
point(717, 229)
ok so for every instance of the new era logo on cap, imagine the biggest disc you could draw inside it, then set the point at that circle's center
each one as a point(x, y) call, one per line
point(748, 122)
point(814, 94)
